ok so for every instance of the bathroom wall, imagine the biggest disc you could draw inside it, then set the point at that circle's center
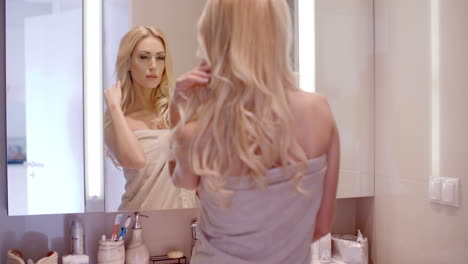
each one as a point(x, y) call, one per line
point(403, 225)
point(165, 230)
point(181, 35)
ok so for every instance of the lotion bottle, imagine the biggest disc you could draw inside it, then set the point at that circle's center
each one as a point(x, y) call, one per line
point(137, 252)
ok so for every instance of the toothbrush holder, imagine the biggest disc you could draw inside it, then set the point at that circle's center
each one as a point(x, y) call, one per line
point(111, 252)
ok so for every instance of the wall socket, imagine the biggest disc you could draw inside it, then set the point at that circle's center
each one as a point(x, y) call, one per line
point(445, 191)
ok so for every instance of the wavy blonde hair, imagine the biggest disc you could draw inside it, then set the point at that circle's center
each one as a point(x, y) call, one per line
point(243, 116)
point(160, 95)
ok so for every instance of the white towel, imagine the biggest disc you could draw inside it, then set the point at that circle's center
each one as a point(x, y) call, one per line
point(151, 188)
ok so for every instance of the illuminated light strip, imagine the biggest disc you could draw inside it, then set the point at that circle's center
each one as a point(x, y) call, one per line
point(92, 28)
point(306, 14)
point(435, 89)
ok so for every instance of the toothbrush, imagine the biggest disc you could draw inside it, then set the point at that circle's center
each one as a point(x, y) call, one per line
point(118, 219)
point(125, 227)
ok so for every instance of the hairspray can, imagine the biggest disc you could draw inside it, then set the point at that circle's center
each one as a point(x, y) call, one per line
point(77, 236)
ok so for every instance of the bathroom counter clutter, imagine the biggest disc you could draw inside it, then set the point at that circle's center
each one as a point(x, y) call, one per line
point(165, 258)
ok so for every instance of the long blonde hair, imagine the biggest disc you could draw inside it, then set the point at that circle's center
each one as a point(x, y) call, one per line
point(243, 116)
point(160, 95)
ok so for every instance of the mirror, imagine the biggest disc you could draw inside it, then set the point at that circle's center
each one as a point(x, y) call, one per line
point(345, 51)
point(131, 186)
point(344, 63)
point(334, 46)
point(44, 106)
point(37, 175)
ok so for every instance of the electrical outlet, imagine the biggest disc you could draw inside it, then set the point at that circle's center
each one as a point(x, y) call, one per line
point(450, 191)
point(444, 190)
point(435, 189)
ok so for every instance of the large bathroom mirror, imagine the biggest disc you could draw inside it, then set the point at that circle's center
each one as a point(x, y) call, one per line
point(44, 106)
point(148, 187)
point(333, 53)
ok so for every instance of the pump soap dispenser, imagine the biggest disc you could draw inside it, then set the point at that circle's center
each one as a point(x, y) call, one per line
point(137, 252)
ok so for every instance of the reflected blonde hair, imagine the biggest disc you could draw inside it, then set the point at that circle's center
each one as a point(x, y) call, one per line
point(160, 95)
point(243, 116)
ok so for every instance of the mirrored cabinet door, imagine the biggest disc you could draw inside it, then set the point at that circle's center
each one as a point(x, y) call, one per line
point(44, 106)
point(149, 188)
point(335, 53)
point(345, 75)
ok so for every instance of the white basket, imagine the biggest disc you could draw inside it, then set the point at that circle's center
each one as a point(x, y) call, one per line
point(350, 250)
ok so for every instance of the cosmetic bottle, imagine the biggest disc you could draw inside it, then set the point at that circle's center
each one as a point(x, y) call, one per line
point(194, 233)
point(77, 237)
point(137, 252)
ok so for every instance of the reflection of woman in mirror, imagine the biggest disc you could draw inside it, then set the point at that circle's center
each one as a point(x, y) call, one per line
point(263, 154)
point(136, 122)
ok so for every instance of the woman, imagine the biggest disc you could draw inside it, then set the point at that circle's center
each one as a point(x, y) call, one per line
point(263, 154)
point(136, 122)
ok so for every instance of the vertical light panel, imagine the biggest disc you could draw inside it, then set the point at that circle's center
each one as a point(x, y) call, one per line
point(94, 170)
point(306, 14)
point(435, 88)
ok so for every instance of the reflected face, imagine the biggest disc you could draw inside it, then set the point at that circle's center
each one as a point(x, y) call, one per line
point(147, 63)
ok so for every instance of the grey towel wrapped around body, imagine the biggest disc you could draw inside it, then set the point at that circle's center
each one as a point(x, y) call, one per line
point(273, 225)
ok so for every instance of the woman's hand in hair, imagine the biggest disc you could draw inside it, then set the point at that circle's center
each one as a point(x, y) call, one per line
point(113, 95)
point(198, 77)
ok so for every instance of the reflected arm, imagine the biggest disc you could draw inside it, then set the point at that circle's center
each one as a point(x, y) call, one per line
point(121, 141)
point(174, 118)
point(182, 175)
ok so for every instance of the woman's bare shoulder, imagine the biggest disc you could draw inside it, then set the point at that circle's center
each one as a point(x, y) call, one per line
point(311, 105)
point(314, 122)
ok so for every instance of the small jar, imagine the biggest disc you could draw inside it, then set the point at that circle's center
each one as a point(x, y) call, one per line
point(111, 252)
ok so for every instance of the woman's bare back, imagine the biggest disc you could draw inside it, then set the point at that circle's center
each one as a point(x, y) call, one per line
point(313, 122)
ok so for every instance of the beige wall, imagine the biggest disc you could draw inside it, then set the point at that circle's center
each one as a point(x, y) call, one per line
point(178, 19)
point(345, 217)
point(404, 227)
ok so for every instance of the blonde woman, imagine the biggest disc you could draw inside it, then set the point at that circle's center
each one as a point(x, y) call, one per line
point(136, 122)
point(263, 154)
